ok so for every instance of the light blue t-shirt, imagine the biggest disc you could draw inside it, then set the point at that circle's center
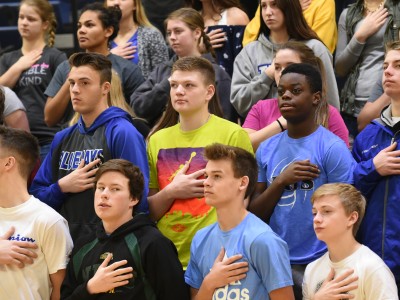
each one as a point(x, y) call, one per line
point(292, 218)
point(266, 253)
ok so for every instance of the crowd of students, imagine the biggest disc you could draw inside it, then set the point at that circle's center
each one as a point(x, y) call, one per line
point(125, 172)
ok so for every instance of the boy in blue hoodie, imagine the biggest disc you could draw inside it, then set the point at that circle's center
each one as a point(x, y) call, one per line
point(377, 173)
point(65, 179)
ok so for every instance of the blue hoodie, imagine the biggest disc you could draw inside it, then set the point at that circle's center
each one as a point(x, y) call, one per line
point(112, 135)
point(380, 227)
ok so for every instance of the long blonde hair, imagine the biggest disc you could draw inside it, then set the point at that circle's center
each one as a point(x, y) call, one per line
point(115, 98)
point(139, 15)
point(46, 13)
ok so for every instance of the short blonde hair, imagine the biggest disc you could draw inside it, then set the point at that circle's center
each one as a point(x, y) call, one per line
point(351, 198)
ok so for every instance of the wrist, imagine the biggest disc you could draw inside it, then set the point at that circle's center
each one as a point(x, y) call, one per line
point(280, 125)
point(89, 287)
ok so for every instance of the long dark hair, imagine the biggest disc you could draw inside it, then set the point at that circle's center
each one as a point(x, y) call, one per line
point(296, 26)
point(190, 64)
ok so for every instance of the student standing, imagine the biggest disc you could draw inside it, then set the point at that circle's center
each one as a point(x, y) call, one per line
point(29, 70)
point(127, 257)
point(65, 179)
point(349, 270)
point(294, 163)
point(137, 40)
point(251, 260)
point(97, 26)
point(35, 242)
point(377, 173)
point(175, 152)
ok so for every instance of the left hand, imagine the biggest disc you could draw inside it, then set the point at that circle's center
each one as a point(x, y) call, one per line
point(217, 38)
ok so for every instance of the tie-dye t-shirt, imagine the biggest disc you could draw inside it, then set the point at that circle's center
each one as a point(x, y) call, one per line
point(168, 150)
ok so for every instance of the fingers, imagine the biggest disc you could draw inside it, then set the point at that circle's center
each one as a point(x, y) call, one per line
point(107, 260)
point(90, 165)
point(233, 258)
point(197, 173)
point(184, 169)
point(331, 275)
point(8, 233)
point(220, 256)
point(118, 264)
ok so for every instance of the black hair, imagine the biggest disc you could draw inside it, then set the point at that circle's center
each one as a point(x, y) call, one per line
point(108, 16)
point(312, 74)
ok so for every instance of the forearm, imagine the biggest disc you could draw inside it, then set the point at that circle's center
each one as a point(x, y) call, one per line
point(10, 78)
point(205, 292)
point(257, 137)
point(246, 92)
point(372, 111)
point(263, 205)
point(159, 203)
point(55, 106)
point(56, 281)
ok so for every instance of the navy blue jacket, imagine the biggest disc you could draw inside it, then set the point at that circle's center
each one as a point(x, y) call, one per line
point(380, 227)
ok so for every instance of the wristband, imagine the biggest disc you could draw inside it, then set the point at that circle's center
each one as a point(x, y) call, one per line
point(280, 125)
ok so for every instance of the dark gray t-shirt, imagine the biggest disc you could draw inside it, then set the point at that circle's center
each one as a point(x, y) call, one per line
point(30, 88)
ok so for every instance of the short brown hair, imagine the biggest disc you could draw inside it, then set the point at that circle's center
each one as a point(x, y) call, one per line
point(129, 170)
point(243, 162)
point(96, 61)
point(351, 198)
point(23, 146)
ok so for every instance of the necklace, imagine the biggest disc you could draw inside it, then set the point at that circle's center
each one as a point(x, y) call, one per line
point(368, 9)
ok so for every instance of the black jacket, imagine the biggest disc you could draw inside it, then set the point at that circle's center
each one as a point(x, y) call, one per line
point(157, 271)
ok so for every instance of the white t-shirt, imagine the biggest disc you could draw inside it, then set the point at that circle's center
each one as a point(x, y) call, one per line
point(36, 222)
point(375, 280)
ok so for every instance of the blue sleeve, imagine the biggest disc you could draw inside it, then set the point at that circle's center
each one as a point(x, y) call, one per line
point(124, 141)
point(339, 163)
point(262, 173)
point(270, 256)
point(193, 275)
point(59, 78)
point(43, 186)
point(365, 175)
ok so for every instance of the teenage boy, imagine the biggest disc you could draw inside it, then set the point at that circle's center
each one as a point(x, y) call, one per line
point(338, 210)
point(65, 178)
point(252, 262)
point(294, 163)
point(35, 242)
point(377, 173)
point(127, 257)
point(175, 159)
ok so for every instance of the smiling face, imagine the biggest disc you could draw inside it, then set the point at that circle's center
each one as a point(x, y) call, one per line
point(330, 219)
point(296, 101)
point(189, 92)
point(272, 15)
point(391, 74)
point(91, 33)
point(182, 39)
point(113, 202)
point(30, 24)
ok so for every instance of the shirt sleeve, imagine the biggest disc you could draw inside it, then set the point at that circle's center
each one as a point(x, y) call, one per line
point(59, 78)
point(57, 246)
point(337, 125)
point(270, 255)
